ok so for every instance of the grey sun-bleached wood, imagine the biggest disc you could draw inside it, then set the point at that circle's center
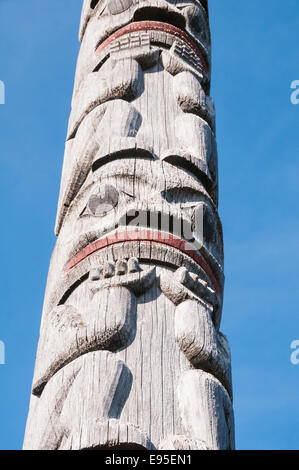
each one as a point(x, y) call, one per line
point(130, 353)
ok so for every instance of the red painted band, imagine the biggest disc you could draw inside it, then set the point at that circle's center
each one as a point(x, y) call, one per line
point(147, 236)
point(155, 26)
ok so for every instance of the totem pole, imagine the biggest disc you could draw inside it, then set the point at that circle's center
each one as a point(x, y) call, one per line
point(130, 354)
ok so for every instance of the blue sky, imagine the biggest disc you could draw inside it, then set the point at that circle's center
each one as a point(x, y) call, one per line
point(255, 59)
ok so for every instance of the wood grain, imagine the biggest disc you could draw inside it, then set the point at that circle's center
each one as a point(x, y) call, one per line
point(130, 354)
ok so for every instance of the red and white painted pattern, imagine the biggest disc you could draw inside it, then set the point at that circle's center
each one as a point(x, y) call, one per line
point(147, 26)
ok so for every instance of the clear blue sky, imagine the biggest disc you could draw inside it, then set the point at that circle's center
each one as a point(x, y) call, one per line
point(255, 59)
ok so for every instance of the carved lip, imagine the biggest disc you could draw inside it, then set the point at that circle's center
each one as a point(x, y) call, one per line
point(154, 26)
point(146, 236)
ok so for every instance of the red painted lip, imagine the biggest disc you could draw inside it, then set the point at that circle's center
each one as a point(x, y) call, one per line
point(147, 236)
point(155, 26)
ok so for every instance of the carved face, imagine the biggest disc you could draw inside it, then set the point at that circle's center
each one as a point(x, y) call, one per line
point(135, 284)
point(179, 27)
point(139, 174)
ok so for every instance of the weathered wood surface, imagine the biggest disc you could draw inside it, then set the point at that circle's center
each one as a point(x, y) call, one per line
point(130, 353)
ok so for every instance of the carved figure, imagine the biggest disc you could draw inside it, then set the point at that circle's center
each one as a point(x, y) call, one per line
point(130, 354)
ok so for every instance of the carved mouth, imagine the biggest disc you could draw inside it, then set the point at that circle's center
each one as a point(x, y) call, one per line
point(146, 236)
point(171, 33)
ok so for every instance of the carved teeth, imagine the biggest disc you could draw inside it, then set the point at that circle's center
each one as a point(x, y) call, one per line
point(181, 275)
point(120, 267)
point(108, 270)
point(195, 278)
point(94, 275)
point(205, 284)
point(133, 265)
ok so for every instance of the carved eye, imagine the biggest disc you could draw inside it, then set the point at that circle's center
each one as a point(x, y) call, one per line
point(118, 6)
point(104, 201)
